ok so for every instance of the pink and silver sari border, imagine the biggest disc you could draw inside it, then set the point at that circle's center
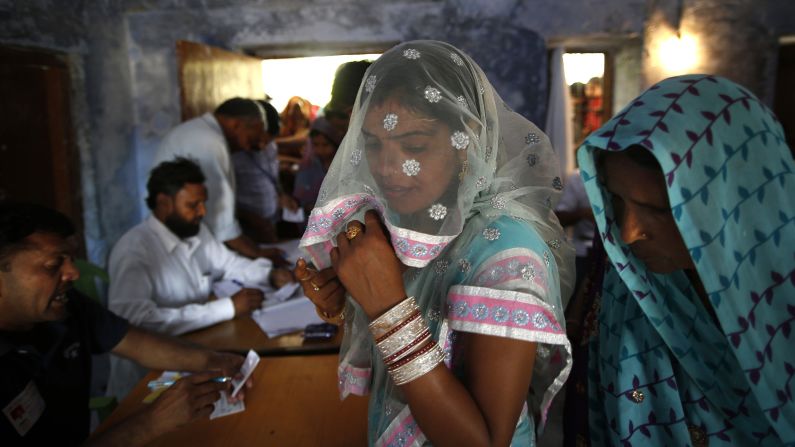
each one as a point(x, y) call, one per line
point(353, 380)
point(504, 313)
point(514, 268)
point(413, 248)
point(402, 431)
point(510, 314)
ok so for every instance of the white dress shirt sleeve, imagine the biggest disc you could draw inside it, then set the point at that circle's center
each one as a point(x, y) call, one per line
point(251, 272)
point(132, 296)
point(221, 191)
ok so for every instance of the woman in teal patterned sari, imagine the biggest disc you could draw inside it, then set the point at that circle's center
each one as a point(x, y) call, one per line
point(692, 188)
point(435, 244)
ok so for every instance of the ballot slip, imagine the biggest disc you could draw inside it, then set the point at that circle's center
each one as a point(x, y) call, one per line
point(251, 362)
point(224, 406)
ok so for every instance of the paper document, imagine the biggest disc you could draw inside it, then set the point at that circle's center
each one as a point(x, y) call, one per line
point(223, 407)
point(286, 292)
point(296, 216)
point(251, 362)
point(289, 316)
point(290, 249)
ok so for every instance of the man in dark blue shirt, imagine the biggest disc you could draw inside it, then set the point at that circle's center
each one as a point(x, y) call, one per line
point(48, 333)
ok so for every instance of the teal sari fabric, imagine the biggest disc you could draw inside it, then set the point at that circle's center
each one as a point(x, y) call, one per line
point(498, 278)
point(661, 370)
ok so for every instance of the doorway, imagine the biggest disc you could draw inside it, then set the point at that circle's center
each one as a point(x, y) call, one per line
point(38, 157)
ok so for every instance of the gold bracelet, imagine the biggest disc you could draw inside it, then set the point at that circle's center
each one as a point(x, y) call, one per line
point(336, 320)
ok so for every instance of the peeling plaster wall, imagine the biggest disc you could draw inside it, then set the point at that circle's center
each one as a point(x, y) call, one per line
point(125, 94)
point(627, 84)
point(92, 40)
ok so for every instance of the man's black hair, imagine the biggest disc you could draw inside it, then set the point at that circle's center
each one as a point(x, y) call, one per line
point(239, 108)
point(171, 176)
point(272, 115)
point(347, 80)
point(19, 220)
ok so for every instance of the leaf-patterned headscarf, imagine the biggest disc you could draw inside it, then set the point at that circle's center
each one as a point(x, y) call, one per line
point(662, 372)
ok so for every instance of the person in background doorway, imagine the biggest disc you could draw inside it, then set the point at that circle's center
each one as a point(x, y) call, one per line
point(593, 117)
point(296, 119)
point(321, 148)
point(347, 80)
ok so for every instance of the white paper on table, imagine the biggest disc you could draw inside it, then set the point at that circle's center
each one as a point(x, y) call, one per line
point(286, 292)
point(229, 287)
point(249, 365)
point(224, 407)
point(289, 316)
point(289, 247)
point(296, 216)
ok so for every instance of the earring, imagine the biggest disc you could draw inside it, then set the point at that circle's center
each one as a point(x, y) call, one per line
point(464, 169)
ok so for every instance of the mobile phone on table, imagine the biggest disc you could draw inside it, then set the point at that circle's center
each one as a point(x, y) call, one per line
point(320, 331)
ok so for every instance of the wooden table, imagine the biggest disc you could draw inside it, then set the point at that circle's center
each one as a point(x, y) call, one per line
point(294, 402)
point(241, 334)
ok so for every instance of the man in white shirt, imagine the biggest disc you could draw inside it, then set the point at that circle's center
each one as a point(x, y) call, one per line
point(162, 270)
point(237, 124)
point(574, 210)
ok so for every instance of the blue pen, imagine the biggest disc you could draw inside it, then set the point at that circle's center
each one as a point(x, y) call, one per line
point(237, 283)
point(167, 383)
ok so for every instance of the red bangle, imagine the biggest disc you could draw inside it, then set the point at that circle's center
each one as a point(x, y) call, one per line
point(420, 338)
point(392, 331)
point(411, 357)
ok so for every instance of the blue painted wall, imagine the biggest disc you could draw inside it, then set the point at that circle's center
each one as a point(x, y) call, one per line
point(125, 94)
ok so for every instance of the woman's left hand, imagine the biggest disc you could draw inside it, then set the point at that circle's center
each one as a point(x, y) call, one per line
point(368, 267)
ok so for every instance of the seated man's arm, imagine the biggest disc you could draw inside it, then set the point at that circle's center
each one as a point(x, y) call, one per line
point(244, 246)
point(188, 400)
point(133, 296)
point(156, 351)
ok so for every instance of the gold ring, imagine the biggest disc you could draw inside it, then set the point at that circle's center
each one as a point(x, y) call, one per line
point(314, 286)
point(352, 232)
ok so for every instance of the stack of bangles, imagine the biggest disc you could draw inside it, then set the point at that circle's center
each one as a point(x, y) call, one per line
point(404, 339)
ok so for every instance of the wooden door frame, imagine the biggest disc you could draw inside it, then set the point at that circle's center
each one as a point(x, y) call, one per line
point(65, 174)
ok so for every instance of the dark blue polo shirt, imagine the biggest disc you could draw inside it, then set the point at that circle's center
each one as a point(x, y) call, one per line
point(45, 374)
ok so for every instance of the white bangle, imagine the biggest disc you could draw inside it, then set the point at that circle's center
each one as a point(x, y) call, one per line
point(402, 337)
point(392, 317)
point(418, 367)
